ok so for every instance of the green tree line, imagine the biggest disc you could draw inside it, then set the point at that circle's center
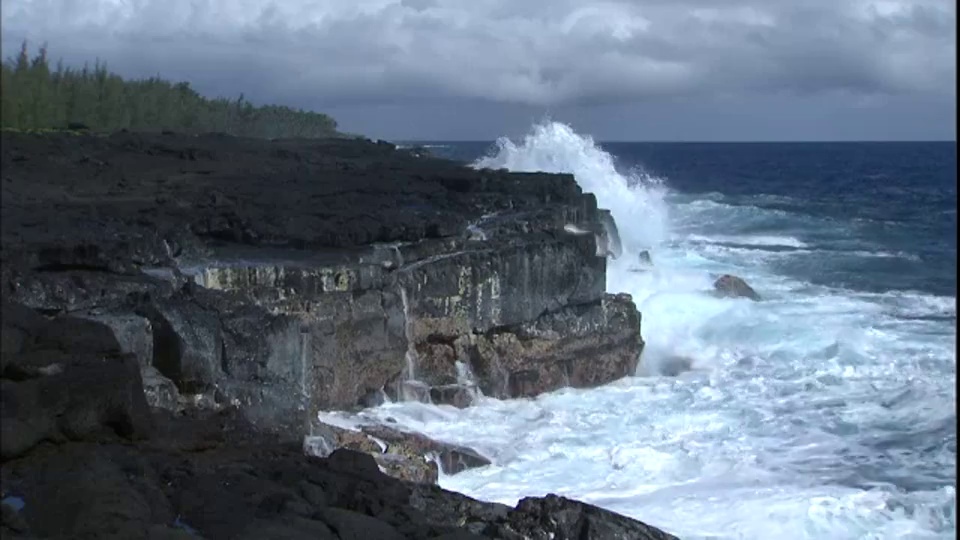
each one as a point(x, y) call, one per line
point(34, 96)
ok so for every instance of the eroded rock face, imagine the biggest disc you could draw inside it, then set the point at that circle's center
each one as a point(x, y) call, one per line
point(363, 269)
point(524, 312)
point(580, 346)
point(187, 344)
point(177, 309)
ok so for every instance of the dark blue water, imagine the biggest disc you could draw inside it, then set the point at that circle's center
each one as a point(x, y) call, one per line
point(898, 199)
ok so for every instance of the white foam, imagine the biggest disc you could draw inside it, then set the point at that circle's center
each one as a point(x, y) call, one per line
point(555, 147)
point(752, 240)
point(801, 416)
point(339, 420)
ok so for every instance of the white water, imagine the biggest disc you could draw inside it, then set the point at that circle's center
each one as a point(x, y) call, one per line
point(817, 413)
point(411, 355)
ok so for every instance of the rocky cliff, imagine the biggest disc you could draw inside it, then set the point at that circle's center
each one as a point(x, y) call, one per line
point(151, 277)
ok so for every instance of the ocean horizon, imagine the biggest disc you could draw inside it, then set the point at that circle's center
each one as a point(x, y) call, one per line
point(491, 142)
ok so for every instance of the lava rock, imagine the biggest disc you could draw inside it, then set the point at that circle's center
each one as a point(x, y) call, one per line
point(729, 286)
point(138, 265)
point(457, 395)
point(644, 258)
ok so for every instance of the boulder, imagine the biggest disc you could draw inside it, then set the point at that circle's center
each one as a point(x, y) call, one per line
point(87, 397)
point(559, 518)
point(133, 333)
point(159, 391)
point(65, 379)
point(187, 344)
point(452, 458)
point(415, 469)
point(401, 454)
point(644, 258)
point(644, 262)
point(728, 286)
point(460, 396)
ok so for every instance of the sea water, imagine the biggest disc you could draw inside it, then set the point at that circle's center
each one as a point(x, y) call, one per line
point(825, 411)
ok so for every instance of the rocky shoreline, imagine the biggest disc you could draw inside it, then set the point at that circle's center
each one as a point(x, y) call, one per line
point(177, 310)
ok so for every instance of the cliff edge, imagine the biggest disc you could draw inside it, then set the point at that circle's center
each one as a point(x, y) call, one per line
point(178, 309)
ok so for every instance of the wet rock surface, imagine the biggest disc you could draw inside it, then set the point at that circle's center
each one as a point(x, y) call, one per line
point(213, 475)
point(176, 310)
point(460, 396)
point(296, 276)
point(728, 286)
point(403, 454)
point(240, 484)
point(644, 258)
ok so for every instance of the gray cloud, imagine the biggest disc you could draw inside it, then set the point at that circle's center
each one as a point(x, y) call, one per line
point(551, 55)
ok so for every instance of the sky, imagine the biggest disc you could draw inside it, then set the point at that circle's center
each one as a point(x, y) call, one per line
point(624, 70)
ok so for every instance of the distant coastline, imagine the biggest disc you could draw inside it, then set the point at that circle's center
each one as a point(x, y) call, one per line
point(36, 98)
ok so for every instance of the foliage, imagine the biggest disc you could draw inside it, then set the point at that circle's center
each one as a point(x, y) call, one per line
point(34, 97)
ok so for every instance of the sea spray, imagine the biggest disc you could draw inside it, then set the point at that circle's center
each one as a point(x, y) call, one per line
point(411, 355)
point(821, 412)
point(407, 387)
point(305, 366)
point(467, 379)
point(635, 199)
point(399, 254)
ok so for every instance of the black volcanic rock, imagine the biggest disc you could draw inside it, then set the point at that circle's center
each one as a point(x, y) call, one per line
point(177, 309)
point(729, 286)
point(66, 379)
point(559, 518)
point(288, 277)
point(114, 203)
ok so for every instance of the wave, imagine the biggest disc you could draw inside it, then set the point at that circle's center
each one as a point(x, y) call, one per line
point(757, 240)
point(635, 199)
point(407, 146)
point(747, 247)
point(819, 412)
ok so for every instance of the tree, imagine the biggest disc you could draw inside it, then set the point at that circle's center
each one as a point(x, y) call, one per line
point(34, 97)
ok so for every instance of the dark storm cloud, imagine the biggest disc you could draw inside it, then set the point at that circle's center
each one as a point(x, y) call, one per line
point(533, 54)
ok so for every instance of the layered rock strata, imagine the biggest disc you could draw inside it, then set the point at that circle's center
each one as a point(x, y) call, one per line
point(197, 275)
point(296, 276)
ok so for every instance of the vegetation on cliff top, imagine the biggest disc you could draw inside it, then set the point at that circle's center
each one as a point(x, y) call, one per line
point(36, 97)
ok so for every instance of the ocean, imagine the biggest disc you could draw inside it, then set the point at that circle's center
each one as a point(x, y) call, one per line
point(825, 411)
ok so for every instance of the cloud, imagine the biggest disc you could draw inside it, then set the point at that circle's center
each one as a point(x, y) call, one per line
point(529, 52)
